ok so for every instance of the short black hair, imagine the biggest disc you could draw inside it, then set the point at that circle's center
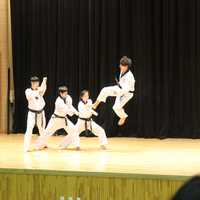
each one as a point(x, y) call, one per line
point(62, 89)
point(130, 62)
point(125, 61)
point(83, 93)
point(189, 191)
point(34, 79)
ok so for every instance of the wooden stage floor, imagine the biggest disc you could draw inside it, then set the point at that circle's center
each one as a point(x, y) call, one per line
point(176, 157)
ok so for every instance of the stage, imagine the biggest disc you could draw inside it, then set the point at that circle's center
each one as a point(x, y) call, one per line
point(156, 167)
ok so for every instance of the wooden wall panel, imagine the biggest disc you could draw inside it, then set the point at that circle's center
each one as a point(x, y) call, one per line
point(52, 187)
point(3, 64)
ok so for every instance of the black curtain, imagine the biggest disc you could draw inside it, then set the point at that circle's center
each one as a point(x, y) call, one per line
point(79, 43)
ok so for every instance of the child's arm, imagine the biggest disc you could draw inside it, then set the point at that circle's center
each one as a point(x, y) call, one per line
point(43, 86)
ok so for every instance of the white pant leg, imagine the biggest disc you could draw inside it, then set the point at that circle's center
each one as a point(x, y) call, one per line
point(53, 125)
point(72, 136)
point(99, 131)
point(120, 102)
point(29, 130)
point(80, 127)
point(41, 122)
point(111, 91)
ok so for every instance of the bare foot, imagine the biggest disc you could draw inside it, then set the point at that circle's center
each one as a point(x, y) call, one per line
point(103, 147)
point(61, 147)
point(39, 148)
point(121, 121)
point(27, 151)
point(95, 105)
point(78, 148)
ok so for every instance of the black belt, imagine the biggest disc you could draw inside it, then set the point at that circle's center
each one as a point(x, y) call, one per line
point(37, 112)
point(61, 117)
point(87, 120)
point(121, 88)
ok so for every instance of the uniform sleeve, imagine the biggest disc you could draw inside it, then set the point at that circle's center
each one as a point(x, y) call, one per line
point(72, 110)
point(43, 87)
point(87, 107)
point(133, 83)
point(90, 108)
point(93, 112)
point(81, 107)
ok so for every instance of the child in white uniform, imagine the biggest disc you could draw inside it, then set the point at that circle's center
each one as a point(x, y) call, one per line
point(123, 91)
point(85, 121)
point(36, 114)
point(63, 107)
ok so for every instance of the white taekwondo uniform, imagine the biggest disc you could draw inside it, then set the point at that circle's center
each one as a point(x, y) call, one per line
point(85, 122)
point(63, 107)
point(36, 114)
point(123, 92)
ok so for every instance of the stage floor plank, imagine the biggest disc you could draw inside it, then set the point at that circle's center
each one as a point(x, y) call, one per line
point(179, 157)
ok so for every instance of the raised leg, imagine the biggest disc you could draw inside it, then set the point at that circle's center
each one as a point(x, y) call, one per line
point(106, 92)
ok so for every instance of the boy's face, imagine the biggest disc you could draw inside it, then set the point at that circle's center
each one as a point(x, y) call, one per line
point(123, 68)
point(35, 85)
point(85, 97)
point(63, 94)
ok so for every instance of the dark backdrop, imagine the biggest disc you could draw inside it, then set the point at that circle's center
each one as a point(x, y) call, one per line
point(80, 42)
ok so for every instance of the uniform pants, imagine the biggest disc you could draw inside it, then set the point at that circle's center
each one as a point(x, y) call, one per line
point(32, 120)
point(120, 101)
point(54, 125)
point(80, 127)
